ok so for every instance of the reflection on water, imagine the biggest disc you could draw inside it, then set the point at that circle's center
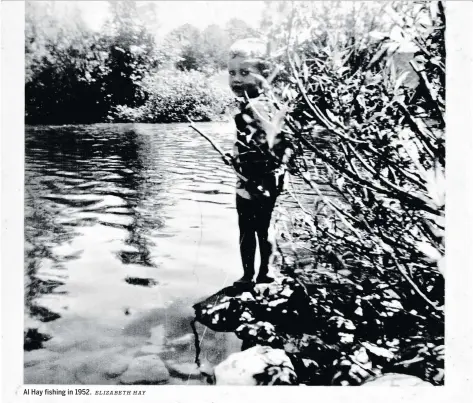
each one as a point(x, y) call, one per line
point(126, 227)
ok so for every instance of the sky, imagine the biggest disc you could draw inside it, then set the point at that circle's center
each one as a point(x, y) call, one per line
point(172, 14)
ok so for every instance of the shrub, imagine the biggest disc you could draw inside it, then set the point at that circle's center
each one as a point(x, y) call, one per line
point(173, 95)
point(377, 246)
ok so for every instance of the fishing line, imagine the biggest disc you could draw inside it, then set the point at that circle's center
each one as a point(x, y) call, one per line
point(205, 327)
point(196, 257)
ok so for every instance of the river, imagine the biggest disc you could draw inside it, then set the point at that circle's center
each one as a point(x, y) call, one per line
point(126, 226)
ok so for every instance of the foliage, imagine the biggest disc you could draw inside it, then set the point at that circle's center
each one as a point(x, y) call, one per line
point(74, 75)
point(77, 75)
point(373, 285)
point(206, 50)
point(63, 67)
point(130, 49)
point(175, 94)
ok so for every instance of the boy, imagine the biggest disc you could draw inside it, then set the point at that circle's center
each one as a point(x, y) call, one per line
point(260, 154)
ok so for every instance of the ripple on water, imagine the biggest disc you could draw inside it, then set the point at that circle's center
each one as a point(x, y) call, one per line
point(127, 227)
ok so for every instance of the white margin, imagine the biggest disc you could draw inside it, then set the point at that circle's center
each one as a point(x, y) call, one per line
point(459, 330)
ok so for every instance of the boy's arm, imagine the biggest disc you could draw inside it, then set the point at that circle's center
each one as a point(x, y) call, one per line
point(233, 157)
point(235, 153)
point(271, 126)
point(288, 152)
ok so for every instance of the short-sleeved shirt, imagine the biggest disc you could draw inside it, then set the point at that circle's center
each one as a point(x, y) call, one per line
point(258, 161)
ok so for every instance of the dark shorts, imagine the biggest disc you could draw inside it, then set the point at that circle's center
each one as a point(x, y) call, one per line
point(254, 215)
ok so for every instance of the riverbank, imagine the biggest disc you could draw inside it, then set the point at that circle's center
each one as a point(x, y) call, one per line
point(173, 95)
point(167, 96)
point(333, 325)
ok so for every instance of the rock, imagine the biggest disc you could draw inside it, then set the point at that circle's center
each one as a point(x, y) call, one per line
point(184, 370)
point(49, 374)
point(392, 379)
point(61, 344)
point(157, 336)
point(116, 367)
point(259, 365)
point(147, 369)
point(99, 368)
point(187, 339)
point(36, 357)
point(149, 349)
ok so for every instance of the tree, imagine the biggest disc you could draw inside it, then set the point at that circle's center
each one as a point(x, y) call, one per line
point(75, 75)
point(215, 43)
point(62, 67)
point(131, 54)
point(372, 150)
point(239, 29)
point(186, 38)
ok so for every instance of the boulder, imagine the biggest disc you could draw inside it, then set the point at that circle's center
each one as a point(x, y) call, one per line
point(259, 365)
point(392, 379)
point(184, 370)
point(116, 366)
point(183, 341)
point(145, 370)
point(36, 357)
point(282, 303)
point(149, 349)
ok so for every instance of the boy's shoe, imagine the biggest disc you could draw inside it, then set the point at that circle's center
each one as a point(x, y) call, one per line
point(264, 279)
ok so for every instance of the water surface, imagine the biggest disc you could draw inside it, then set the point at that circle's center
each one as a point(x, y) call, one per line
point(126, 226)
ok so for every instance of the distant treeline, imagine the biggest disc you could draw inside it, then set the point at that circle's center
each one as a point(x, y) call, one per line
point(123, 72)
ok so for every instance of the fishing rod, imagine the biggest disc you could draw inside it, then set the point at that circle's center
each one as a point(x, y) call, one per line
point(261, 191)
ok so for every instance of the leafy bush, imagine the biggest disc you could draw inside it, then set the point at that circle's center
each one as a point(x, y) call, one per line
point(173, 95)
point(75, 75)
point(374, 251)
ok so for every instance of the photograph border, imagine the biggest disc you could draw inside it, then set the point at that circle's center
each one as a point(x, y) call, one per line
point(459, 327)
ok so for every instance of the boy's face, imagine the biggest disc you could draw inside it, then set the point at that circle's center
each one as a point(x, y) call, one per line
point(244, 76)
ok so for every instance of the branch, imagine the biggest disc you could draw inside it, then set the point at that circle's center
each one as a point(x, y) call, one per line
point(415, 287)
point(410, 176)
point(415, 201)
point(339, 212)
point(430, 90)
point(401, 192)
point(258, 188)
point(424, 137)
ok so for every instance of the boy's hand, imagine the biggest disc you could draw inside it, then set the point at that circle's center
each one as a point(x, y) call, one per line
point(281, 169)
point(228, 159)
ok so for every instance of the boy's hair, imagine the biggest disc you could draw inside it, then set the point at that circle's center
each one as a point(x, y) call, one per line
point(252, 48)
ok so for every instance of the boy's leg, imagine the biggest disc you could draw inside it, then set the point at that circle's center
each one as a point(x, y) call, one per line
point(246, 222)
point(265, 246)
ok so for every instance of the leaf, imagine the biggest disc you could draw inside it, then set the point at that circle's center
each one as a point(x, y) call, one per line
point(378, 351)
point(434, 10)
point(297, 60)
point(429, 251)
point(393, 304)
point(378, 35)
point(379, 54)
point(305, 71)
point(401, 79)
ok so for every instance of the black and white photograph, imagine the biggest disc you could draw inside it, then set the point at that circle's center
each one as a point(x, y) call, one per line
point(234, 193)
